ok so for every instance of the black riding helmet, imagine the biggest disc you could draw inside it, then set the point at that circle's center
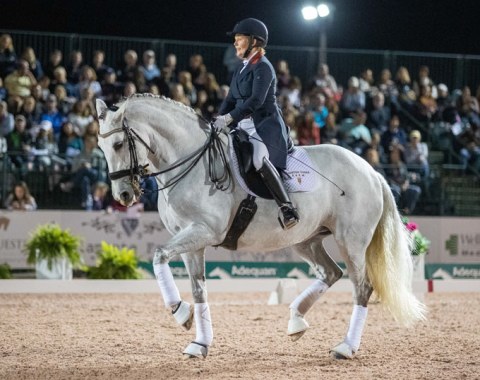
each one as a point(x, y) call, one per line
point(251, 27)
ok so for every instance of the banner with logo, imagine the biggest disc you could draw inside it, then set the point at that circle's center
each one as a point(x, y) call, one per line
point(455, 244)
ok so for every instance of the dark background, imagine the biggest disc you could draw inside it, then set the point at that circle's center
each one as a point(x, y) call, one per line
point(411, 25)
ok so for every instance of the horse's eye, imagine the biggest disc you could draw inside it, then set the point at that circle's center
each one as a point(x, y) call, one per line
point(117, 145)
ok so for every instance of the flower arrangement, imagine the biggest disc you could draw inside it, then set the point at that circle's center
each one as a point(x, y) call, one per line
point(420, 242)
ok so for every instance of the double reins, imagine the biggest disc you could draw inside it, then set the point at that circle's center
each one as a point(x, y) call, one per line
point(213, 145)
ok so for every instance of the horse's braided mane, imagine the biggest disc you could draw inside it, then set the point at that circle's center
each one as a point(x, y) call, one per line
point(161, 97)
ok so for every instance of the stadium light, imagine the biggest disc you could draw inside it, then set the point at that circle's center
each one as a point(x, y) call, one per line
point(322, 11)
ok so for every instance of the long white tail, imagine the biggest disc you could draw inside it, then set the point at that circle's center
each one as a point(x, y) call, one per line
point(389, 264)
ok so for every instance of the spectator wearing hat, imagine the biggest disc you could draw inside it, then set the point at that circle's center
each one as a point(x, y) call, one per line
point(416, 154)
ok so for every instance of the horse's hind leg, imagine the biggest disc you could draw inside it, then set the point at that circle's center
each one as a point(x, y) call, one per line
point(327, 273)
point(195, 264)
point(362, 290)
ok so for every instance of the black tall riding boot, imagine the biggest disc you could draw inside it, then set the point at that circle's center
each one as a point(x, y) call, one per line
point(274, 184)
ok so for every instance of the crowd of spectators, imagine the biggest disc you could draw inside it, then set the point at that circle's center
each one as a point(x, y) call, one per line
point(47, 113)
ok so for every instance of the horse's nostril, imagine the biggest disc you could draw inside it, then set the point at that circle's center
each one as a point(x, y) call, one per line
point(125, 196)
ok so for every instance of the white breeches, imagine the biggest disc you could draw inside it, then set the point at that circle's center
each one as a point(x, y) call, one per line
point(260, 150)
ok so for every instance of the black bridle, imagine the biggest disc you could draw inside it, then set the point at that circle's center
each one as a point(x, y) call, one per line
point(213, 145)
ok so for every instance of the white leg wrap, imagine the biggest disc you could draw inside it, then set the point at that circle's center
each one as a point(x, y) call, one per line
point(167, 286)
point(308, 297)
point(203, 324)
point(355, 329)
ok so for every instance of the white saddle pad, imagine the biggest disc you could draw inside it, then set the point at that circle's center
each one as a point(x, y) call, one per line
point(300, 169)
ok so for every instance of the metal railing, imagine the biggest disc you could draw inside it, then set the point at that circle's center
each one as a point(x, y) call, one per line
point(455, 70)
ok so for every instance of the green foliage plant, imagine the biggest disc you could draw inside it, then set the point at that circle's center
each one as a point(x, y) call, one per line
point(51, 242)
point(5, 272)
point(115, 263)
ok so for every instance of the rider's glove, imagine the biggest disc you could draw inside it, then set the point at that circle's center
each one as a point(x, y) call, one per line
point(221, 123)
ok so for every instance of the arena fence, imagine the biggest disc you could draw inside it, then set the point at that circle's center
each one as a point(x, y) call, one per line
point(455, 70)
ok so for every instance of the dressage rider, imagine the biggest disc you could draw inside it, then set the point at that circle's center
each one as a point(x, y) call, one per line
point(251, 105)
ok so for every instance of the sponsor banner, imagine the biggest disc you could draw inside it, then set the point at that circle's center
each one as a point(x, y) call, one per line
point(453, 240)
point(452, 271)
point(225, 270)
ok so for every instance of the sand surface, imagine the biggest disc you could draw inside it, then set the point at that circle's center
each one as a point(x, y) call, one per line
point(132, 336)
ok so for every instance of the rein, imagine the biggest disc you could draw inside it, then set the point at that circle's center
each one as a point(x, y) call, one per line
point(213, 145)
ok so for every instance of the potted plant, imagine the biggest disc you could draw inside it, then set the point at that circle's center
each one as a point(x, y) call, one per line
point(420, 248)
point(5, 272)
point(115, 263)
point(54, 252)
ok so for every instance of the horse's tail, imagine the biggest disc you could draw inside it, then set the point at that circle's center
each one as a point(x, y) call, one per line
point(389, 264)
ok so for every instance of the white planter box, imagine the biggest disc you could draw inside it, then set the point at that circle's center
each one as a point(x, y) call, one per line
point(61, 270)
point(418, 267)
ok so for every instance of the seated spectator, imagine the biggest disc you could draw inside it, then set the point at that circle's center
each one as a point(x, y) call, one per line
point(308, 131)
point(171, 67)
point(54, 60)
point(379, 115)
point(470, 154)
point(406, 95)
point(53, 115)
point(149, 197)
point(44, 83)
point(20, 198)
point(212, 88)
point(353, 98)
point(32, 111)
point(443, 99)
point(19, 83)
point(60, 79)
point(44, 146)
point(101, 197)
point(186, 81)
point(177, 93)
point(323, 82)
point(366, 81)
point(371, 156)
point(406, 194)
point(111, 88)
point(80, 116)
point(377, 146)
point(19, 143)
point(359, 136)
point(319, 110)
point(65, 102)
point(416, 154)
point(468, 107)
point(87, 79)
point(7, 122)
point(394, 136)
point(74, 67)
point(130, 70)
point(88, 167)
point(28, 55)
point(98, 64)
point(70, 144)
point(423, 79)
point(195, 67)
point(149, 67)
point(426, 109)
point(129, 89)
point(329, 133)
point(8, 57)
point(283, 76)
point(387, 87)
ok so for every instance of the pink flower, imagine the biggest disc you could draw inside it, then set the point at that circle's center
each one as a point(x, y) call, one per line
point(411, 226)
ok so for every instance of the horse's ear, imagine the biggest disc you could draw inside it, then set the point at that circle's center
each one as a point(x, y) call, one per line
point(101, 108)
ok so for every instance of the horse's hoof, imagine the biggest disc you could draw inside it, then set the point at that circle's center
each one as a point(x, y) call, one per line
point(196, 350)
point(297, 326)
point(184, 315)
point(342, 351)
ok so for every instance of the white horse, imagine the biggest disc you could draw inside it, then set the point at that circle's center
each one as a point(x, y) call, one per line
point(172, 140)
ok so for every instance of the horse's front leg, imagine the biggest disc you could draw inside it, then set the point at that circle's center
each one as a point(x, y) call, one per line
point(192, 239)
point(195, 264)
